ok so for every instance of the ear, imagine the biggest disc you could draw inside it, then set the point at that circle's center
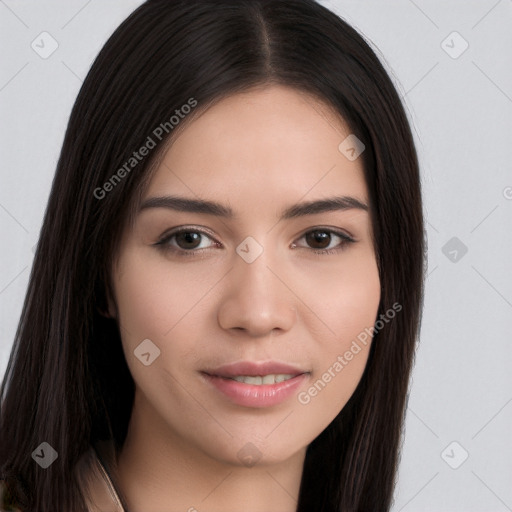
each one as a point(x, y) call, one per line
point(107, 312)
point(108, 308)
point(111, 307)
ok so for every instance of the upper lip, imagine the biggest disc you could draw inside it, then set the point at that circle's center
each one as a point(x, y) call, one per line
point(254, 368)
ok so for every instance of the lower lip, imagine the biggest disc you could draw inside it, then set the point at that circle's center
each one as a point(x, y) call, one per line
point(250, 395)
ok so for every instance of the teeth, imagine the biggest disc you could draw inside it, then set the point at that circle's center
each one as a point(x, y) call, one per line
point(266, 379)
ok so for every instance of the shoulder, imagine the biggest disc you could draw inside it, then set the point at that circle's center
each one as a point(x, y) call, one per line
point(93, 474)
point(6, 502)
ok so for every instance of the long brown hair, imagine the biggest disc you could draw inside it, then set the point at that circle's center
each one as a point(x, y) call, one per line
point(67, 382)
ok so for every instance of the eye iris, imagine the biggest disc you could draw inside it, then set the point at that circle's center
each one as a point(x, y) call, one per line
point(188, 237)
point(318, 236)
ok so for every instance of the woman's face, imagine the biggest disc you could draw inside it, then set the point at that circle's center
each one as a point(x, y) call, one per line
point(252, 293)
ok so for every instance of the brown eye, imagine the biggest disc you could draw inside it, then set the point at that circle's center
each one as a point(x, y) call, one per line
point(189, 242)
point(318, 239)
point(188, 239)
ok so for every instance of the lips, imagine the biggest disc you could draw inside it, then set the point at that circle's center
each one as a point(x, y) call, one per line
point(284, 380)
point(254, 369)
point(263, 383)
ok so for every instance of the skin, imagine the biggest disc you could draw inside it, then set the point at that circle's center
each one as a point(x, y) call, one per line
point(257, 152)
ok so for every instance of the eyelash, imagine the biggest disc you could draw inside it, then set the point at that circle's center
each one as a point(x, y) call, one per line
point(163, 243)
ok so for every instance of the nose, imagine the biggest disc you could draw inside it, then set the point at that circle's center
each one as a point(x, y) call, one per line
point(257, 298)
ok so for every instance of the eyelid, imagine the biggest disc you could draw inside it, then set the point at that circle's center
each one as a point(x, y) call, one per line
point(169, 234)
point(342, 233)
point(180, 229)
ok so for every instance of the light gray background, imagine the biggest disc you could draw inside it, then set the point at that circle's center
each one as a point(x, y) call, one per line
point(461, 111)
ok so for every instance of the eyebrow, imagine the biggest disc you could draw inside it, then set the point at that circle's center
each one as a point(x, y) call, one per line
point(184, 204)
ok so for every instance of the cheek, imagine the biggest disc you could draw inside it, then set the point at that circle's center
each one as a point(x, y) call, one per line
point(345, 298)
point(141, 306)
point(156, 302)
point(348, 307)
point(153, 299)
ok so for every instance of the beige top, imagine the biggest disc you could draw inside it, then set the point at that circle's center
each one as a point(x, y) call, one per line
point(96, 475)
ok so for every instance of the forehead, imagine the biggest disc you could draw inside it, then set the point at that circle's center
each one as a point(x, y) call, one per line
point(262, 147)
